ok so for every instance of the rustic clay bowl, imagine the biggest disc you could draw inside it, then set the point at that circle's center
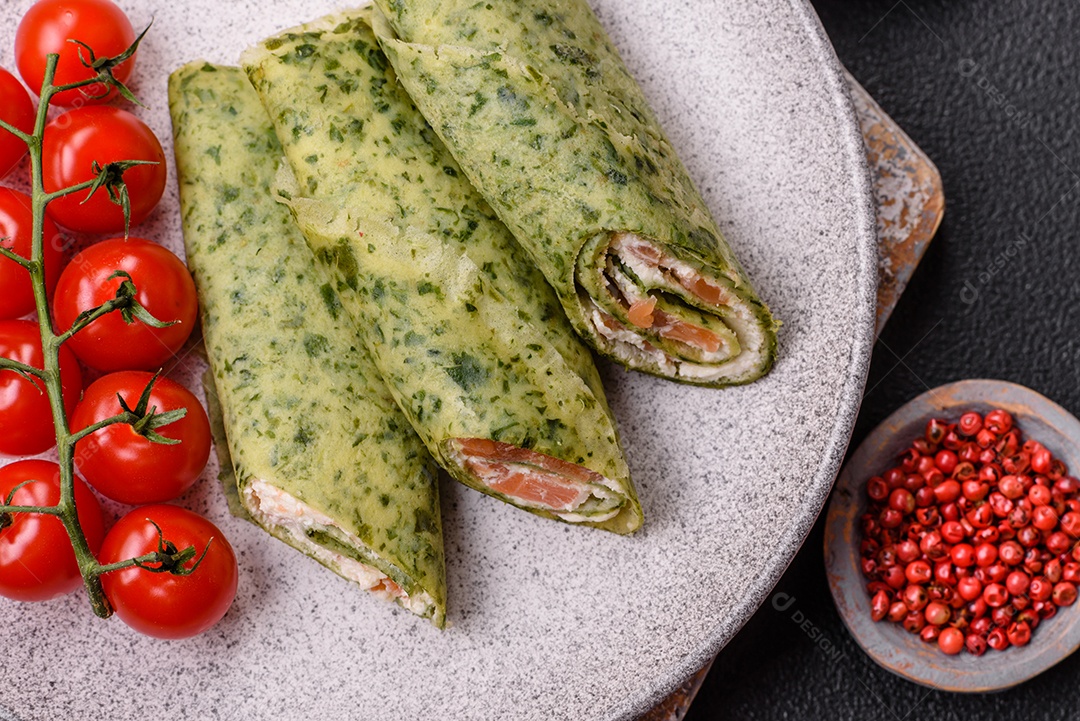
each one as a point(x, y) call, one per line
point(887, 643)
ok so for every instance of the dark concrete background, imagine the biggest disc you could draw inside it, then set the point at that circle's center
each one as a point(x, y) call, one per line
point(990, 89)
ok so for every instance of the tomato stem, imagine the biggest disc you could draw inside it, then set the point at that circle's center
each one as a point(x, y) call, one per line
point(85, 185)
point(89, 317)
point(112, 421)
point(50, 345)
point(14, 257)
point(28, 371)
point(79, 84)
point(166, 561)
point(167, 557)
point(14, 131)
point(47, 510)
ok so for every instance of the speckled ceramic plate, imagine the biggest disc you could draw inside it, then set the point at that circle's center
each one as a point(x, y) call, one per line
point(888, 644)
point(549, 621)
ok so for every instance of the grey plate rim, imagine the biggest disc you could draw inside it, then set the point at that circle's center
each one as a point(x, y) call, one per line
point(865, 313)
point(961, 673)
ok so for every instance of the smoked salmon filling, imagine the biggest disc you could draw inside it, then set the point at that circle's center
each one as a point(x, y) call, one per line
point(537, 480)
point(648, 307)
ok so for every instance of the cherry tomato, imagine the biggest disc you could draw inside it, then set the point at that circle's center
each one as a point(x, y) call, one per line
point(17, 224)
point(16, 109)
point(26, 426)
point(48, 26)
point(162, 604)
point(78, 138)
point(165, 289)
point(36, 560)
point(124, 465)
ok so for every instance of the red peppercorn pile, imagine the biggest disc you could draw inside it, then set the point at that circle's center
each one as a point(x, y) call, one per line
point(971, 540)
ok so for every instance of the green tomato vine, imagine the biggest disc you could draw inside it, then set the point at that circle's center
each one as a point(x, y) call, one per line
point(109, 179)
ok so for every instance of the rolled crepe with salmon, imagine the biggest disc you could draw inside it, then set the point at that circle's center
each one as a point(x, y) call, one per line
point(324, 458)
point(537, 107)
point(463, 327)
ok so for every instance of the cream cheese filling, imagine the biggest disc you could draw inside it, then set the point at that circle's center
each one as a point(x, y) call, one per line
point(274, 507)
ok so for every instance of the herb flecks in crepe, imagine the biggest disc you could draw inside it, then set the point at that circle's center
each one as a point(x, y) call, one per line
point(462, 325)
point(323, 457)
point(535, 104)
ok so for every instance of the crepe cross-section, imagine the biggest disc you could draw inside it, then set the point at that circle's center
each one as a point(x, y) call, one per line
point(324, 458)
point(537, 107)
point(467, 333)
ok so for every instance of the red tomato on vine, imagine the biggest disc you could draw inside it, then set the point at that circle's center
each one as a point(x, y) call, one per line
point(36, 559)
point(17, 224)
point(162, 604)
point(121, 462)
point(26, 425)
point(49, 26)
point(75, 141)
point(16, 109)
point(164, 287)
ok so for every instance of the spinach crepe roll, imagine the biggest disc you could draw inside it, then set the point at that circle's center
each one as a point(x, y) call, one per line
point(535, 104)
point(463, 327)
point(324, 458)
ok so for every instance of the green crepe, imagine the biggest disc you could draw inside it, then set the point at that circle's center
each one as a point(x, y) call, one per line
point(324, 458)
point(467, 334)
point(535, 104)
